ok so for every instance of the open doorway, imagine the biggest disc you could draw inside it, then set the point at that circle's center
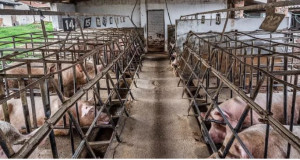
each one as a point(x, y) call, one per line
point(156, 30)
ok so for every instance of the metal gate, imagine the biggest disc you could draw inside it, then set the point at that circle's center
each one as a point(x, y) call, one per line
point(243, 65)
point(117, 51)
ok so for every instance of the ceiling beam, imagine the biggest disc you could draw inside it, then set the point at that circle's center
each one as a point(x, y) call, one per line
point(252, 7)
point(32, 12)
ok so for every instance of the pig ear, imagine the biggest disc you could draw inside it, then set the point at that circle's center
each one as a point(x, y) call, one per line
point(241, 151)
point(225, 114)
point(79, 68)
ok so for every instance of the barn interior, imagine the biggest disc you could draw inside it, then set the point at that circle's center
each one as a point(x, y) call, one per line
point(149, 79)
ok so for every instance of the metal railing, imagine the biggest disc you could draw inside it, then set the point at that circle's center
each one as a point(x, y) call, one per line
point(242, 65)
point(117, 51)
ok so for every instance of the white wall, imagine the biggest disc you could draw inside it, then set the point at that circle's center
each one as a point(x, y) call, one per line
point(125, 7)
point(178, 8)
point(22, 20)
point(29, 19)
point(6, 19)
point(115, 7)
point(243, 24)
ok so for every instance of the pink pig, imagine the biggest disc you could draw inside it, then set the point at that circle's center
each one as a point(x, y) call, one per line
point(234, 107)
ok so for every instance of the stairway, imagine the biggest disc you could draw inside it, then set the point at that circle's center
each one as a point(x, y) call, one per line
point(158, 126)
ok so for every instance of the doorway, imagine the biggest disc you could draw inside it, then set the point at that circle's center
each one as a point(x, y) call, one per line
point(156, 30)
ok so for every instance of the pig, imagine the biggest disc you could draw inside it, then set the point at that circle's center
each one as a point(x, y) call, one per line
point(233, 109)
point(254, 139)
point(81, 78)
point(67, 75)
point(36, 69)
point(14, 137)
point(86, 113)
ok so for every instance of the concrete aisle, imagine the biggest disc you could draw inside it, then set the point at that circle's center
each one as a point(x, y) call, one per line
point(158, 126)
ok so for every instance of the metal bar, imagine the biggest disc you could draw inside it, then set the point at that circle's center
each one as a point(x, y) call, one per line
point(76, 124)
point(34, 120)
point(251, 7)
point(294, 140)
point(47, 127)
point(47, 111)
point(25, 106)
point(5, 145)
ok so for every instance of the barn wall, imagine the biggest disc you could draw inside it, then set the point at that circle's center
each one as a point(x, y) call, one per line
point(125, 7)
point(22, 20)
point(6, 19)
point(178, 8)
point(116, 7)
point(243, 24)
point(28, 19)
point(57, 20)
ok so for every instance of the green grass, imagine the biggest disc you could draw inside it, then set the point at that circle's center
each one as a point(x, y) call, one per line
point(16, 30)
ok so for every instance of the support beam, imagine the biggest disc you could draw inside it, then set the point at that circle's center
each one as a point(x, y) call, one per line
point(252, 7)
point(31, 12)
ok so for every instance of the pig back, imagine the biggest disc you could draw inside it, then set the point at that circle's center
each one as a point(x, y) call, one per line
point(16, 114)
point(254, 139)
point(36, 69)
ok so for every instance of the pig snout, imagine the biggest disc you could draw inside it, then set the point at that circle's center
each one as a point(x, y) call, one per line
point(103, 118)
point(217, 133)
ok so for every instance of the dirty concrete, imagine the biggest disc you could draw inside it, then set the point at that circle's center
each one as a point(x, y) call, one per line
point(158, 126)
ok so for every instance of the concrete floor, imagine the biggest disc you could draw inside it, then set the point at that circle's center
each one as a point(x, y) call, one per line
point(158, 126)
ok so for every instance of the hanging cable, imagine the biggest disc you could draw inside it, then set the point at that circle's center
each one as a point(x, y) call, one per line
point(168, 12)
point(130, 18)
point(133, 9)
